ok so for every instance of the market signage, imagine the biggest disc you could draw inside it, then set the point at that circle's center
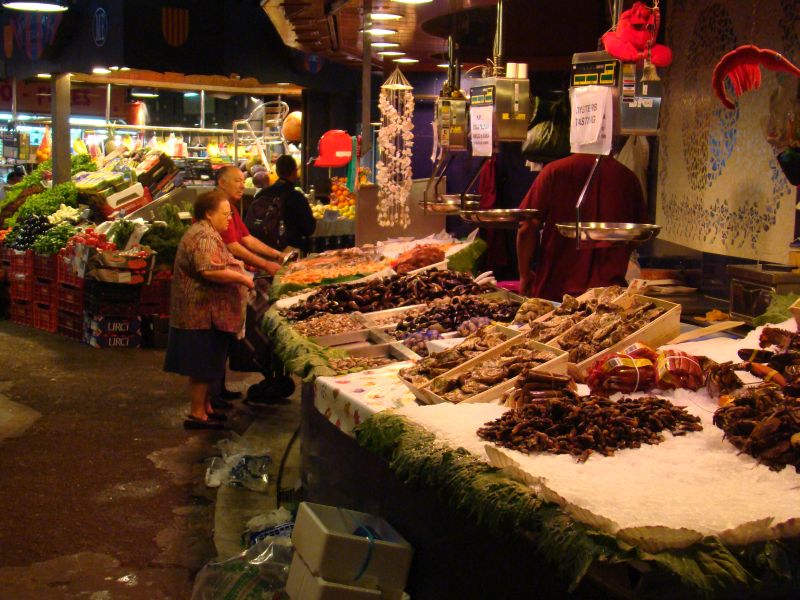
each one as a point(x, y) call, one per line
point(592, 119)
point(481, 119)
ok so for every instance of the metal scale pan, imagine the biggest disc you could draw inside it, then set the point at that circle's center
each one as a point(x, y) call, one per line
point(610, 232)
point(500, 218)
point(449, 204)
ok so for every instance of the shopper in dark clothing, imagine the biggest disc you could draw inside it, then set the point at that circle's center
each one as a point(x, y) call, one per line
point(280, 215)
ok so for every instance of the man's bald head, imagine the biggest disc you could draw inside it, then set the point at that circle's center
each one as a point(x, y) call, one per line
point(230, 181)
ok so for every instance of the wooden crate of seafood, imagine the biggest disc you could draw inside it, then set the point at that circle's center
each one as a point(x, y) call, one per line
point(656, 331)
point(425, 370)
point(497, 383)
point(384, 319)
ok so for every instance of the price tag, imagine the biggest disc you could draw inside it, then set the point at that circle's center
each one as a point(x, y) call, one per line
point(481, 117)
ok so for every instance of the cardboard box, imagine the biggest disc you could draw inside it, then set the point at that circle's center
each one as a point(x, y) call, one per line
point(103, 325)
point(304, 585)
point(346, 546)
point(111, 340)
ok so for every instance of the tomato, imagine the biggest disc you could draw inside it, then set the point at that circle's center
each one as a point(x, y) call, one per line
point(79, 239)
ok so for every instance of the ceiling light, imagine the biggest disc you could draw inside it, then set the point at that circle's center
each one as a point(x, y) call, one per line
point(124, 68)
point(282, 83)
point(384, 16)
point(101, 71)
point(443, 66)
point(144, 94)
point(391, 53)
point(406, 60)
point(384, 44)
point(376, 123)
point(39, 6)
point(190, 94)
point(43, 75)
point(379, 31)
point(412, 1)
point(114, 68)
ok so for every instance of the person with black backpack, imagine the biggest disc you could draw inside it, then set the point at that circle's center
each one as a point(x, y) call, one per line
point(280, 215)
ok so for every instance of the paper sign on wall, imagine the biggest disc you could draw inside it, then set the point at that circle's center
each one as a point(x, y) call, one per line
point(481, 120)
point(592, 121)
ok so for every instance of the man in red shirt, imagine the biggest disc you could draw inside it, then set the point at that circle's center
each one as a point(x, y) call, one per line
point(245, 247)
point(615, 195)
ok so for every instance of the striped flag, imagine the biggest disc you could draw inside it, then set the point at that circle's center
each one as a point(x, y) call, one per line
point(35, 31)
point(175, 25)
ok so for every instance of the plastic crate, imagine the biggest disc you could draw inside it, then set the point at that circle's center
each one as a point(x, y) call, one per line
point(156, 297)
point(21, 312)
point(5, 258)
point(65, 274)
point(45, 317)
point(21, 287)
point(44, 267)
point(44, 292)
point(20, 262)
point(69, 299)
point(70, 325)
point(115, 293)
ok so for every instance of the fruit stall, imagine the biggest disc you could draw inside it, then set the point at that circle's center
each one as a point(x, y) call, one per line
point(580, 442)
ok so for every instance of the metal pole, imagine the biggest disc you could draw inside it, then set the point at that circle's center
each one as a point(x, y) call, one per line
point(108, 103)
point(366, 87)
point(13, 100)
point(499, 61)
point(61, 109)
point(202, 108)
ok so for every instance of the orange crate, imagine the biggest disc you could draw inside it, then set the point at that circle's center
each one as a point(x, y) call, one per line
point(64, 272)
point(44, 292)
point(70, 325)
point(70, 299)
point(21, 287)
point(20, 262)
point(44, 267)
point(45, 317)
point(21, 312)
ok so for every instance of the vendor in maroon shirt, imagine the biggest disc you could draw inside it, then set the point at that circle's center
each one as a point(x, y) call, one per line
point(615, 195)
point(245, 247)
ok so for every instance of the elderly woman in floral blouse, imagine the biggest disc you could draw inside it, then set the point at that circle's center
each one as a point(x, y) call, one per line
point(208, 307)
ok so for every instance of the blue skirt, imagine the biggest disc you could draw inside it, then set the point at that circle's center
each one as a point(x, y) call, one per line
point(198, 353)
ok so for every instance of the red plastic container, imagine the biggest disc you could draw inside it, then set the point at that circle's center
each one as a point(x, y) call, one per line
point(20, 262)
point(44, 267)
point(5, 255)
point(44, 292)
point(70, 325)
point(45, 317)
point(21, 287)
point(21, 313)
point(70, 299)
point(156, 297)
point(64, 272)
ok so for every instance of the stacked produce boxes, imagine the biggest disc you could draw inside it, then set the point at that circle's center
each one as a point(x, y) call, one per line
point(111, 315)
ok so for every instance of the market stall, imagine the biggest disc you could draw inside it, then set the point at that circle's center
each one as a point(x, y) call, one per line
point(684, 511)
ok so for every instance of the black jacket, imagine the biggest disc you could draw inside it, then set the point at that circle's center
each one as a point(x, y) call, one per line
point(297, 217)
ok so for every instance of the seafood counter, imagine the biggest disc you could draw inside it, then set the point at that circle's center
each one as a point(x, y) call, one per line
point(676, 456)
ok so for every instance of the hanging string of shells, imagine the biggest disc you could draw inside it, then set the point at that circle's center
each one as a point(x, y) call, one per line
point(395, 141)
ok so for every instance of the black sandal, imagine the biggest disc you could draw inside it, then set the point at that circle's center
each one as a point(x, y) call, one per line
point(217, 416)
point(192, 422)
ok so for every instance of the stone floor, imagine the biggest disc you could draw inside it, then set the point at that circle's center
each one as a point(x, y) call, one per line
point(103, 491)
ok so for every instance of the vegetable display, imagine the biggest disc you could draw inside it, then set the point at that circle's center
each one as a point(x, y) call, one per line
point(165, 234)
point(47, 202)
point(54, 239)
point(121, 232)
point(24, 234)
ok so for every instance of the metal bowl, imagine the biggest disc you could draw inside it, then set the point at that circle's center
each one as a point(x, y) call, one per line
point(610, 232)
point(449, 204)
point(500, 218)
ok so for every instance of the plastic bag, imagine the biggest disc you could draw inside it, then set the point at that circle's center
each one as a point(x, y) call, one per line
point(548, 130)
point(241, 465)
point(257, 573)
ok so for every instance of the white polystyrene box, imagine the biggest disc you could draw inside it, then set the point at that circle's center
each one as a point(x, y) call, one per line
point(324, 537)
point(303, 585)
